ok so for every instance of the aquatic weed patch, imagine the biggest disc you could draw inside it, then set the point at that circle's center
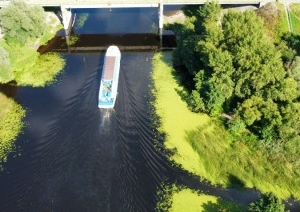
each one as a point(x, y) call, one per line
point(175, 198)
point(11, 116)
point(175, 117)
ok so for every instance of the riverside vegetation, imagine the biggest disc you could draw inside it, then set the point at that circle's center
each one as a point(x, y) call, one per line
point(24, 29)
point(234, 78)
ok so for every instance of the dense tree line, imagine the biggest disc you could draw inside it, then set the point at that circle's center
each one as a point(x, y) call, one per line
point(239, 73)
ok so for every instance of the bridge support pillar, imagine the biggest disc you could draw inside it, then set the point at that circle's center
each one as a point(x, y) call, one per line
point(161, 21)
point(66, 16)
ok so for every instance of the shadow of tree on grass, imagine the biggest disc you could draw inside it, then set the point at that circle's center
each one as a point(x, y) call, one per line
point(235, 182)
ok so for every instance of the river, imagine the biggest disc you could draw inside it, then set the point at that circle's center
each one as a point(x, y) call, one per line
point(73, 156)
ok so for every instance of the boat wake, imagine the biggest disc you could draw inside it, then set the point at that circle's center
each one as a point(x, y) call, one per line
point(105, 120)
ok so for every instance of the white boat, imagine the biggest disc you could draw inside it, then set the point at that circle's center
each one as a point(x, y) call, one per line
point(110, 78)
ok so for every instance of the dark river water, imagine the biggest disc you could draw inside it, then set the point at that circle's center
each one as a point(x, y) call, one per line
point(72, 156)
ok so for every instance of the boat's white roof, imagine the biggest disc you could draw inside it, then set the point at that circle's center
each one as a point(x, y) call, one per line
point(113, 51)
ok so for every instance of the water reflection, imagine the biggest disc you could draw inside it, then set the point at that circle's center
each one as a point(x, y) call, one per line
point(117, 21)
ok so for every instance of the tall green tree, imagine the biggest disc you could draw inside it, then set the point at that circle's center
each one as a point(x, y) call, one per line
point(21, 22)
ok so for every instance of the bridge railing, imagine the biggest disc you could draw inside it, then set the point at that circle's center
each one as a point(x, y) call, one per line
point(86, 2)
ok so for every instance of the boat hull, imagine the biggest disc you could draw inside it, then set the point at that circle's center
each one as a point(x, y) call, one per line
point(110, 78)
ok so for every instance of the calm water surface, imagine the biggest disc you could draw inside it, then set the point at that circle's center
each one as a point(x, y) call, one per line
point(74, 157)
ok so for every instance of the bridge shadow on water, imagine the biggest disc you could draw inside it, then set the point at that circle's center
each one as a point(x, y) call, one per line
point(85, 43)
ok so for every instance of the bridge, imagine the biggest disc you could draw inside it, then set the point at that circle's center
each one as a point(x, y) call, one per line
point(125, 3)
point(67, 5)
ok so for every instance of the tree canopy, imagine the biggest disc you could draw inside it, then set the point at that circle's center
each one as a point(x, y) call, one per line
point(268, 203)
point(237, 70)
point(20, 22)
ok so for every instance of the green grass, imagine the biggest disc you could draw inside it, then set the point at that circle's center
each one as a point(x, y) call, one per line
point(282, 25)
point(295, 17)
point(206, 149)
point(21, 58)
point(11, 115)
point(32, 69)
point(178, 199)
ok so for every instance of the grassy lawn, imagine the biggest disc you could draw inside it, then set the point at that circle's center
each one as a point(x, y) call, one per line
point(32, 69)
point(282, 26)
point(11, 115)
point(295, 17)
point(206, 149)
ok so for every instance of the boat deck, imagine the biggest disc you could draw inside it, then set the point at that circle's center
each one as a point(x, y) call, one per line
point(110, 77)
point(108, 72)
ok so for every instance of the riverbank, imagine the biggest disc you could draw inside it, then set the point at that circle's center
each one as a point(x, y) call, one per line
point(29, 69)
point(206, 150)
point(28, 66)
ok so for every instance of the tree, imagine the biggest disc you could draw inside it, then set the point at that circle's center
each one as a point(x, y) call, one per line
point(294, 72)
point(5, 69)
point(238, 71)
point(21, 22)
point(268, 203)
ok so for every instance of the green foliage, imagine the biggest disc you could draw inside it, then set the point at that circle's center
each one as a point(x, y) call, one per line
point(43, 71)
point(292, 41)
point(72, 40)
point(238, 70)
point(287, 53)
point(295, 71)
point(209, 13)
point(217, 153)
point(5, 67)
point(21, 22)
point(11, 115)
point(268, 203)
point(179, 198)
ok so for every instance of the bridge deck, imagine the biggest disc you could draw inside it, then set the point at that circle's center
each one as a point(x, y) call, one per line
point(126, 3)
